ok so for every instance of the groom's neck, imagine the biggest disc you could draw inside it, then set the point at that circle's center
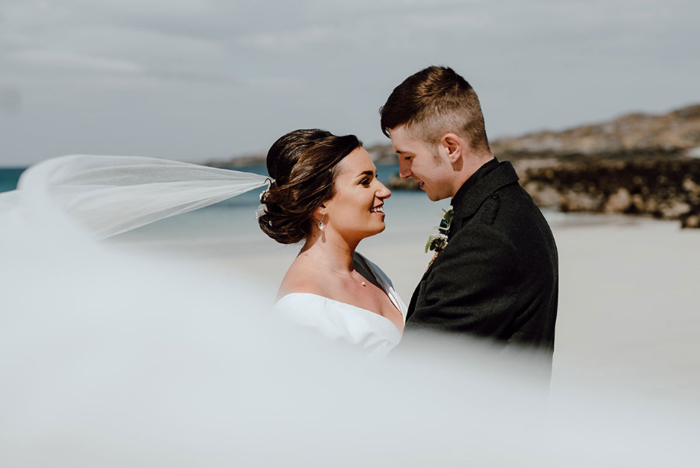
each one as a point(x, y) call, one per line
point(467, 170)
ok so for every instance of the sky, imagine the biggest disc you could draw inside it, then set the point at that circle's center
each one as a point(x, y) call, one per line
point(198, 80)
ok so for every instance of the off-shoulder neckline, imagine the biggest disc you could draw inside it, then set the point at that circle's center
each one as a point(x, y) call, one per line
point(348, 305)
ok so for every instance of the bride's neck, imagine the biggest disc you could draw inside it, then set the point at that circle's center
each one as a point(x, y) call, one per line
point(333, 252)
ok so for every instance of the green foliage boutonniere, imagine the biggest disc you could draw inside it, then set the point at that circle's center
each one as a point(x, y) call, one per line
point(438, 242)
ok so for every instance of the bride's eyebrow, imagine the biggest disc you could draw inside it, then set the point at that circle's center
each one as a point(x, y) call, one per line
point(367, 173)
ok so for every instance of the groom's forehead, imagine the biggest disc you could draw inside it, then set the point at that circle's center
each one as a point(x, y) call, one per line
point(401, 140)
point(407, 145)
point(407, 138)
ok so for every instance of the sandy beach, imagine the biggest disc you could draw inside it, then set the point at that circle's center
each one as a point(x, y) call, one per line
point(181, 360)
point(627, 310)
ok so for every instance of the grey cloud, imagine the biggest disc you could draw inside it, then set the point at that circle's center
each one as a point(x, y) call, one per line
point(203, 77)
point(10, 99)
point(254, 69)
point(72, 60)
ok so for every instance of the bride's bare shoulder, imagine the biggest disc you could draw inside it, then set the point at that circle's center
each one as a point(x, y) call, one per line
point(302, 278)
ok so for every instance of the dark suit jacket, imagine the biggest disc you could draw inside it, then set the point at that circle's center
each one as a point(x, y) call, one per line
point(498, 276)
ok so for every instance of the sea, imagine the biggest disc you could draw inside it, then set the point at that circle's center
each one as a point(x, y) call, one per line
point(235, 218)
point(9, 178)
point(231, 225)
point(245, 204)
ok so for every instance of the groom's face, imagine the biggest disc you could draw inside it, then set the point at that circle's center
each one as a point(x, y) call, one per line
point(422, 162)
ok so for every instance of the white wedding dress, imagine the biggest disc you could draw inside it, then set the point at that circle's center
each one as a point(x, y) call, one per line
point(346, 323)
point(101, 196)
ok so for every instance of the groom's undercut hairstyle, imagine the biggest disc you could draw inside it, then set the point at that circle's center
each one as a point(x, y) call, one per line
point(433, 102)
point(304, 165)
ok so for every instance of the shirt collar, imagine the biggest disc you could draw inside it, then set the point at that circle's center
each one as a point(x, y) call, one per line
point(478, 175)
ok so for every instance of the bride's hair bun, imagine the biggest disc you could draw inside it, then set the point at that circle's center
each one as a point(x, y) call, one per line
point(304, 165)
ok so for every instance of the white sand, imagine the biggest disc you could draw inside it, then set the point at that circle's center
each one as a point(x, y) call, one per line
point(115, 361)
point(628, 309)
point(628, 313)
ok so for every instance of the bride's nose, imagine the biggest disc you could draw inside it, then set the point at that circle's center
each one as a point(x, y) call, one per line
point(383, 192)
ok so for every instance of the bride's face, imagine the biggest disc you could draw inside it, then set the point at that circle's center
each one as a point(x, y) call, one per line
point(356, 210)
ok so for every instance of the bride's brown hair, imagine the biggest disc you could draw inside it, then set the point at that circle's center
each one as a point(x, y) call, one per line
point(303, 164)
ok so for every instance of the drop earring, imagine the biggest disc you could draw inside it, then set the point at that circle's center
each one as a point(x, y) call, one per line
point(322, 226)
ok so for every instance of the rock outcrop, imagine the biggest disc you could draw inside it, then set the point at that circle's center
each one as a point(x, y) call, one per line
point(239, 161)
point(663, 187)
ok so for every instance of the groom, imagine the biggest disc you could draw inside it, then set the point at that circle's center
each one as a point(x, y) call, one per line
point(497, 277)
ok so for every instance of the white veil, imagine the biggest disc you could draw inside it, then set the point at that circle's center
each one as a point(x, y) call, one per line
point(108, 195)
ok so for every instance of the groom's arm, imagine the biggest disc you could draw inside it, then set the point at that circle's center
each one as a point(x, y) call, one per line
point(472, 286)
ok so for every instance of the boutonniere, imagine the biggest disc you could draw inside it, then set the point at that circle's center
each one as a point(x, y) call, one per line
point(438, 242)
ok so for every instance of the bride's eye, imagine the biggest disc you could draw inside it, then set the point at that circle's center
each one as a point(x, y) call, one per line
point(365, 181)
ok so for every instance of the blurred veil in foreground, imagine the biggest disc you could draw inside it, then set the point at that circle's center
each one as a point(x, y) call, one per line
point(113, 359)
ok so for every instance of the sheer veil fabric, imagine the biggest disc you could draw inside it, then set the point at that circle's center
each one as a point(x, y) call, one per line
point(71, 201)
point(107, 195)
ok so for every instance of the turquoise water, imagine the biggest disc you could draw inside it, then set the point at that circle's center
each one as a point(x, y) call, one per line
point(233, 221)
point(9, 178)
point(235, 217)
point(245, 203)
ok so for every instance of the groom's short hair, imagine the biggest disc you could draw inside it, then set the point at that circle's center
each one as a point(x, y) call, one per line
point(433, 102)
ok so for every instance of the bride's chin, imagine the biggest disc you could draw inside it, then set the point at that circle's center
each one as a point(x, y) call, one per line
point(378, 231)
point(364, 234)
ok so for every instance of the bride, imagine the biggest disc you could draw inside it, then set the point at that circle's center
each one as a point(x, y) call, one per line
point(326, 193)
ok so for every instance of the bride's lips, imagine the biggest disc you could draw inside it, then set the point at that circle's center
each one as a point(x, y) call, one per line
point(379, 209)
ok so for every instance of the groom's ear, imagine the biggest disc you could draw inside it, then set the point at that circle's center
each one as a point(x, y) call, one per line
point(453, 146)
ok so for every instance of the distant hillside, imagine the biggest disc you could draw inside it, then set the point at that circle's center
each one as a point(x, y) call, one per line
point(247, 160)
point(381, 154)
point(677, 132)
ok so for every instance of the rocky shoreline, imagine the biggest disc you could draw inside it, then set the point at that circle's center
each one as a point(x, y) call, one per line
point(661, 186)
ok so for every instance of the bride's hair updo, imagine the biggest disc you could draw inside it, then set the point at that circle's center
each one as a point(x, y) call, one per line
point(304, 164)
